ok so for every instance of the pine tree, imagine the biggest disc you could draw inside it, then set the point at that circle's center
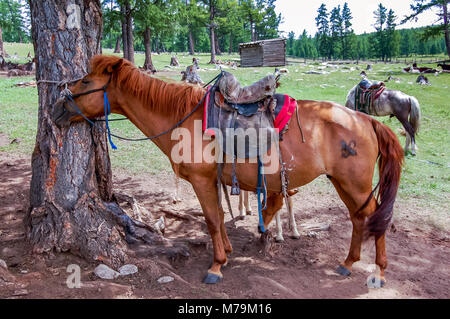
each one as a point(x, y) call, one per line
point(392, 37)
point(323, 31)
point(379, 39)
point(336, 32)
point(349, 37)
point(420, 6)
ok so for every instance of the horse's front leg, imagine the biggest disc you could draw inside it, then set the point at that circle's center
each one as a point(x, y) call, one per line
point(206, 191)
point(279, 237)
point(290, 208)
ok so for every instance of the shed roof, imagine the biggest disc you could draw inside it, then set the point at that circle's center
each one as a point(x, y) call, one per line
point(260, 43)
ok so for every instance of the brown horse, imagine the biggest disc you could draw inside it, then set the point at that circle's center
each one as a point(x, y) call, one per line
point(340, 143)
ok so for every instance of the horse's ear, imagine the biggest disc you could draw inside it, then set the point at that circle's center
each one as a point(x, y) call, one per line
point(113, 67)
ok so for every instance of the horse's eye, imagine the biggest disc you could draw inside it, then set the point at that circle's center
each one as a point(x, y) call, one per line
point(85, 81)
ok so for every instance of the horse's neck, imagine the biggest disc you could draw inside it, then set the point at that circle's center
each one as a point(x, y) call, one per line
point(149, 122)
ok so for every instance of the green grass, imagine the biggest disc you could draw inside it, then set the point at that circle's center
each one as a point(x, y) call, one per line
point(427, 184)
point(21, 49)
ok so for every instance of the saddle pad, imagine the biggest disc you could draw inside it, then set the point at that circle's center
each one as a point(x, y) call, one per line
point(284, 110)
point(364, 99)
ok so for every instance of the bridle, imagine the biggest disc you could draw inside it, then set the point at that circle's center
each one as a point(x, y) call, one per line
point(69, 97)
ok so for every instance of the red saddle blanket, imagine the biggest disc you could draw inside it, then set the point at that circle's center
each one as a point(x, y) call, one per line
point(283, 112)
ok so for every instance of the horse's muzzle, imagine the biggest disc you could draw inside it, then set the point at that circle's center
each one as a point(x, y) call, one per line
point(61, 115)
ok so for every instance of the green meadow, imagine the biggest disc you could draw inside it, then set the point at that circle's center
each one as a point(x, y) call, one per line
point(426, 177)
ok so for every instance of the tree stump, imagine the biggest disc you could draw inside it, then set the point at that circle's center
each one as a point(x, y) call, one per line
point(174, 61)
point(191, 76)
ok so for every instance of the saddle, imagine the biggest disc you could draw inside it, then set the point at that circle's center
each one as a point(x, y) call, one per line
point(233, 93)
point(366, 94)
point(366, 84)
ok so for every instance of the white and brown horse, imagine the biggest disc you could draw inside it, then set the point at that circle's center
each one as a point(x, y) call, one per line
point(395, 103)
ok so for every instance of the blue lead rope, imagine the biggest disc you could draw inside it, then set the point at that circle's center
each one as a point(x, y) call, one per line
point(261, 189)
point(107, 112)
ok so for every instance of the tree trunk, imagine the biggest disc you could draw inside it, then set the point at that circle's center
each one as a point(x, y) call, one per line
point(446, 28)
point(191, 42)
point(71, 201)
point(213, 46)
point(2, 51)
point(216, 42)
point(231, 43)
point(212, 33)
point(130, 37)
point(72, 206)
point(148, 64)
point(124, 32)
point(117, 48)
point(157, 45)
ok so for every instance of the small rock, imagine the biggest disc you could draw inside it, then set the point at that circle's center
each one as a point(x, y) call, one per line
point(104, 272)
point(20, 292)
point(24, 271)
point(16, 141)
point(126, 270)
point(165, 279)
point(312, 234)
point(3, 264)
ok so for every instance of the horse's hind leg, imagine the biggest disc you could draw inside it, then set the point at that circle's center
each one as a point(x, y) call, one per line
point(381, 259)
point(244, 207)
point(354, 199)
point(410, 136)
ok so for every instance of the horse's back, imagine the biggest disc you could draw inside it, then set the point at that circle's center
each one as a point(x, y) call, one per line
point(343, 137)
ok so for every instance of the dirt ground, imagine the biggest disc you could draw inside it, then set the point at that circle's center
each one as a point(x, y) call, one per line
point(418, 254)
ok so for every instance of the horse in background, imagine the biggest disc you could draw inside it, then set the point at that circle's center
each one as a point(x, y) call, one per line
point(245, 210)
point(394, 104)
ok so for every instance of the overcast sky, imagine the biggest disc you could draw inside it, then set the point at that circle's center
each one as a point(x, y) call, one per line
point(299, 15)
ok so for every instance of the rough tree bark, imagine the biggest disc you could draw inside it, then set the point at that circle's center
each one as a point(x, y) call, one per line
point(124, 32)
point(212, 26)
point(216, 42)
point(446, 27)
point(130, 37)
point(2, 51)
point(191, 42)
point(148, 64)
point(117, 47)
point(72, 206)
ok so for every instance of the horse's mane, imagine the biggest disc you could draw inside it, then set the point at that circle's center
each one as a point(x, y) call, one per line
point(172, 99)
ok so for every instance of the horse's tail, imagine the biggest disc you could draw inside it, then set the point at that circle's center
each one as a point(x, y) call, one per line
point(390, 163)
point(415, 115)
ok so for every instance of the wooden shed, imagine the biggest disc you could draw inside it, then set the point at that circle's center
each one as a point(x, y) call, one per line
point(263, 53)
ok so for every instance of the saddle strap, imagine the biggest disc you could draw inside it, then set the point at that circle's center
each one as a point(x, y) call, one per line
point(261, 190)
point(235, 190)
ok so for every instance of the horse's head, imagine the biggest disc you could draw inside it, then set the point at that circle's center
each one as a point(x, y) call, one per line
point(87, 95)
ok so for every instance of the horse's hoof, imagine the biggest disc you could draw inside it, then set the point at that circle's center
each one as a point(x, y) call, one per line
point(279, 239)
point(376, 283)
point(295, 236)
point(341, 270)
point(249, 213)
point(212, 279)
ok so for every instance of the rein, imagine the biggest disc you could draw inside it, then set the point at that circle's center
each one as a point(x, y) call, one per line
point(69, 98)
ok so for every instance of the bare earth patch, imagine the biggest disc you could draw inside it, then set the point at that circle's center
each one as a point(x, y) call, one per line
point(419, 255)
